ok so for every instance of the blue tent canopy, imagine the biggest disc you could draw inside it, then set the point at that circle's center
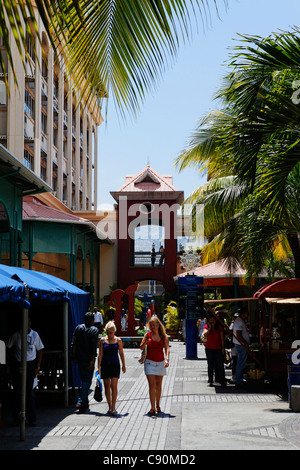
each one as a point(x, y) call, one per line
point(42, 286)
point(10, 290)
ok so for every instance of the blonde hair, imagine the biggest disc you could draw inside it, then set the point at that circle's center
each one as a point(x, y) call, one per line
point(110, 326)
point(161, 328)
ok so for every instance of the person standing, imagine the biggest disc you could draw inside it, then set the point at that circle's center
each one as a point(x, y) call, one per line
point(86, 340)
point(214, 350)
point(241, 340)
point(111, 347)
point(157, 360)
point(34, 357)
point(153, 256)
point(162, 255)
point(98, 319)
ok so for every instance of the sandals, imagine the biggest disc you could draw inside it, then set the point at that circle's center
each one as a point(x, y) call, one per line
point(151, 412)
point(158, 410)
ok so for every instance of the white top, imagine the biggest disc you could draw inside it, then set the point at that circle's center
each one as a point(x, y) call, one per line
point(240, 325)
point(34, 344)
point(98, 317)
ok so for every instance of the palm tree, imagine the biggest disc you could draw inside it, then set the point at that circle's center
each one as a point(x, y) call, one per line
point(112, 47)
point(255, 139)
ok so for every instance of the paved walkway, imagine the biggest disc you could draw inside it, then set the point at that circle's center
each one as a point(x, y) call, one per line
point(195, 416)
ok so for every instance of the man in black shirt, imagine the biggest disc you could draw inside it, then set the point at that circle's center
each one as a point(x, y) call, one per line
point(86, 341)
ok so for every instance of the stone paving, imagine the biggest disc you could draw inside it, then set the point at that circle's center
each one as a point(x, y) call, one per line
point(194, 416)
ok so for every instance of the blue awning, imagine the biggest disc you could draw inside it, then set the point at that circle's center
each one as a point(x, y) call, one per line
point(43, 287)
point(10, 290)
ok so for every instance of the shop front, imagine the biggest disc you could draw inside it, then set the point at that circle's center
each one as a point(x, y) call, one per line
point(280, 324)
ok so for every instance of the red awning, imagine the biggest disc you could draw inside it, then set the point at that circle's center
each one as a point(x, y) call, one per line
point(284, 288)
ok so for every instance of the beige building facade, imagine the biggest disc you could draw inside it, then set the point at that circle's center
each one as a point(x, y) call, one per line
point(44, 124)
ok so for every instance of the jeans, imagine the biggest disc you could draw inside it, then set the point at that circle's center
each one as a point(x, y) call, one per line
point(86, 376)
point(241, 362)
point(215, 364)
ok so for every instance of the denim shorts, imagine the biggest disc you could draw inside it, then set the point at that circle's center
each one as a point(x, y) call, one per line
point(154, 368)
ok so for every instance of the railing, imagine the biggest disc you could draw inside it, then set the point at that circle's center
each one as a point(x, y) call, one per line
point(146, 259)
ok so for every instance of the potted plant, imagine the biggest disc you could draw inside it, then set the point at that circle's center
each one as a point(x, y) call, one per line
point(172, 320)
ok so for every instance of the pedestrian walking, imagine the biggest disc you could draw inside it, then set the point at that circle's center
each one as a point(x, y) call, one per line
point(85, 339)
point(110, 350)
point(33, 362)
point(157, 361)
point(214, 350)
point(241, 340)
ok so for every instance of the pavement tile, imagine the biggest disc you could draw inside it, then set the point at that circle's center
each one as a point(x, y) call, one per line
point(194, 416)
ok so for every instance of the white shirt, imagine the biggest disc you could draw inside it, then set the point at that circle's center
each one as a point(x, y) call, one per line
point(98, 317)
point(240, 325)
point(34, 344)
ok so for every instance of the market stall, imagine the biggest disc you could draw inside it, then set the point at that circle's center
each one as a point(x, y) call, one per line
point(276, 321)
point(57, 307)
point(280, 325)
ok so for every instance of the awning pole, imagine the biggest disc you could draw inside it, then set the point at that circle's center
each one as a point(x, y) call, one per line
point(22, 415)
point(66, 352)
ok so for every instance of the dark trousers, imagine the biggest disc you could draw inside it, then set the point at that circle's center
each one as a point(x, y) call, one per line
point(86, 376)
point(30, 394)
point(215, 365)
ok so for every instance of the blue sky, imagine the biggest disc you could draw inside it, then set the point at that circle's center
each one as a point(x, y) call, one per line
point(183, 96)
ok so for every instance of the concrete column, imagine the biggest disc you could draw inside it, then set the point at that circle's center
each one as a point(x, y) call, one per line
point(60, 135)
point(69, 149)
point(77, 158)
point(37, 112)
point(50, 118)
point(84, 153)
point(96, 166)
point(90, 179)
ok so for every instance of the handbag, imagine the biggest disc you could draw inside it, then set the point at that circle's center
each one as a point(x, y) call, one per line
point(98, 389)
point(203, 338)
point(143, 355)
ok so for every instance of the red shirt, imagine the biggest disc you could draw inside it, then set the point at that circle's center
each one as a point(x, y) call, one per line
point(155, 350)
point(214, 339)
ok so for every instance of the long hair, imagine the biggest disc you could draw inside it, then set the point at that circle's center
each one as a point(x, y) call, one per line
point(218, 324)
point(161, 328)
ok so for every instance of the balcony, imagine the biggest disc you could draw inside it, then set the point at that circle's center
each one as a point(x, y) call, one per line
point(143, 259)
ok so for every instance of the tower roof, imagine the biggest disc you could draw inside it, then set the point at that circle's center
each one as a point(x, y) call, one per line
point(148, 184)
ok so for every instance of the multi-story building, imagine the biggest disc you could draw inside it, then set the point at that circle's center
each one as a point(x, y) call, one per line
point(46, 127)
point(44, 124)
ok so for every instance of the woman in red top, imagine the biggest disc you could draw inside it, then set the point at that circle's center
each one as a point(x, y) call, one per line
point(157, 361)
point(214, 349)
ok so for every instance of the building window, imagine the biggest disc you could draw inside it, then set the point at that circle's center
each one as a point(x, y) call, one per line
point(28, 159)
point(29, 104)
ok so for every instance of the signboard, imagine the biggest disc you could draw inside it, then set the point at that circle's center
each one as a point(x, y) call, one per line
point(191, 308)
point(191, 297)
